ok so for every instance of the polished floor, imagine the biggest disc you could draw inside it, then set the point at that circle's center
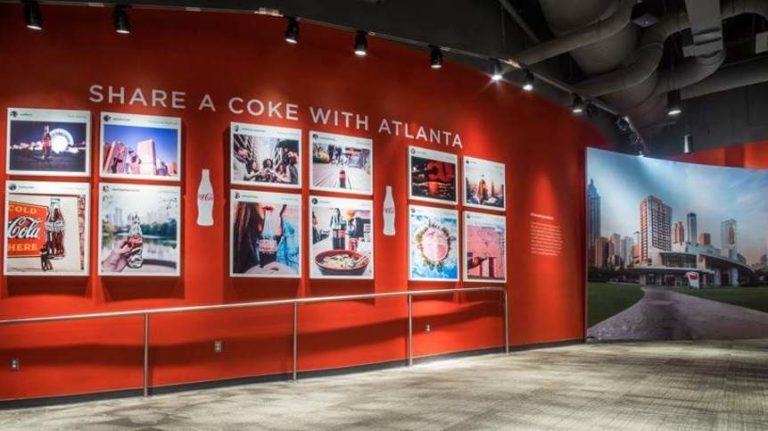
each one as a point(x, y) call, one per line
point(623, 386)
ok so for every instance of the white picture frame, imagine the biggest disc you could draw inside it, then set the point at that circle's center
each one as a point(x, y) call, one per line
point(437, 156)
point(477, 169)
point(487, 221)
point(321, 174)
point(138, 196)
point(445, 216)
point(264, 132)
point(349, 205)
point(48, 189)
point(68, 126)
point(116, 127)
point(254, 196)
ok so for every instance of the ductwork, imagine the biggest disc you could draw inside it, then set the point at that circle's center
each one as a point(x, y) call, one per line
point(754, 72)
point(600, 30)
point(689, 72)
point(651, 49)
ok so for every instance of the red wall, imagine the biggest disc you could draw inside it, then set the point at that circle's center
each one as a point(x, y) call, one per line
point(244, 55)
point(752, 155)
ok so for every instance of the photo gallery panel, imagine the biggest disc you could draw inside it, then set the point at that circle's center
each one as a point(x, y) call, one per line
point(139, 233)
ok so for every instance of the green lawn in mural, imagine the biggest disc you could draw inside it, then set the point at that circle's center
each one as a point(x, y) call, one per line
point(755, 298)
point(606, 300)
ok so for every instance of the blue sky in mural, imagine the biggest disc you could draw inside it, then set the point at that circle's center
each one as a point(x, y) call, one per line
point(714, 193)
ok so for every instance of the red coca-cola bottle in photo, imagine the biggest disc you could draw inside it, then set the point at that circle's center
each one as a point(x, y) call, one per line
point(54, 230)
point(136, 243)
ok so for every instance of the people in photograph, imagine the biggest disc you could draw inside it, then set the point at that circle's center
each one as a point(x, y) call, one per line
point(47, 142)
point(117, 260)
point(316, 235)
point(248, 231)
point(335, 221)
point(162, 170)
point(282, 175)
point(483, 193)
point(240, 163)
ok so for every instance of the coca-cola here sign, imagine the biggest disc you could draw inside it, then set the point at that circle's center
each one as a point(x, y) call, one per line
point(26, 229)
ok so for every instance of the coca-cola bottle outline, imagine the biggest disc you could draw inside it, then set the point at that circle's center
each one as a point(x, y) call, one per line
point(55, 226)
point(268, 238)
point(136, 242)
point(205, 200)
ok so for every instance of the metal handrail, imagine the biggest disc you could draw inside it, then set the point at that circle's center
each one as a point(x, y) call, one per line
point(291, 301)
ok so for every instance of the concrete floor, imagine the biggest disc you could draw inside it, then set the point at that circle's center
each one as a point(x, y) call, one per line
point(652, 385)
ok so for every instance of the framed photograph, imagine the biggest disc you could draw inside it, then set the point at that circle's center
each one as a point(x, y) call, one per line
point(265, 155)
point(48, 142)
point(341, 238)
point(47, 227)
point(139, 230)
point(140, 147)
point(265, 234)
point(342, 164)
point(484, 184)
point(485, 247)
point(432, 176)
point(433, 247)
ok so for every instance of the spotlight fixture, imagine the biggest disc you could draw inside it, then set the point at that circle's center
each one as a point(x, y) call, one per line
point(497, 72)
point(674, 107)
point(292, 31)
point(33, 18)
point(361, 44)
point(577, 106)
point(120, 19)
point(435, 57)
point(528, 81)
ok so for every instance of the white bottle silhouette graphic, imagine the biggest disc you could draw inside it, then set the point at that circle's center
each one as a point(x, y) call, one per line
point(389, 213)
point(205, 200)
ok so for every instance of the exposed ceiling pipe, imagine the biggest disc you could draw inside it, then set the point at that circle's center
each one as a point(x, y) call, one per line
point(588, 35)
point(653, 110)
point(688, 72)
point(519, 20)
point(729, 78)
point(651, 49)
point(706, 27)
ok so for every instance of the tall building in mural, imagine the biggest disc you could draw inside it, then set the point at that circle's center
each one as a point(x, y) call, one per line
point(593, 222)
point(678, 234)
point(627, 246)
point(692, 228)
point(728, 238)
point(655, 230)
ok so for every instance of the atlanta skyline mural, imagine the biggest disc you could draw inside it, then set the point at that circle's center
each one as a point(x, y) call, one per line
point(660, 220)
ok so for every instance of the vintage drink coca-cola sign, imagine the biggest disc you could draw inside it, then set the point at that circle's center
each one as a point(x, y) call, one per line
point(46, 228)
point(26, 229)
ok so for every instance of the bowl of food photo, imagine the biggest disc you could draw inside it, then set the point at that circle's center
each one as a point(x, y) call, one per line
point(341, 262)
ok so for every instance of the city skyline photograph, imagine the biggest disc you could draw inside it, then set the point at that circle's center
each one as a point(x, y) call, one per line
point(714, 194)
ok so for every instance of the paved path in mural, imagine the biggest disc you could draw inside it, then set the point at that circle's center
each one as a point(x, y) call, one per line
point(666, 315)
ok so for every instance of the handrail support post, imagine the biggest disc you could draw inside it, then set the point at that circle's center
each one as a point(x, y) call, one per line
point(146, 355)
point(410, 330)
point(295, 349)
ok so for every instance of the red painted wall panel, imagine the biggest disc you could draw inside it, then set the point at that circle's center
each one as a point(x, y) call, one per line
point(749, 155)
point(227, 55)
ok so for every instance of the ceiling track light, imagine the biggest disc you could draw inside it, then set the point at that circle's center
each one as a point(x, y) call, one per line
point(577, 106)
point(33, 18)
point(674, 104)
point(529, 80)
point(120, 19)
point(361, 44)
point(435, 57)
point(292, 31)
point(497, 72)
